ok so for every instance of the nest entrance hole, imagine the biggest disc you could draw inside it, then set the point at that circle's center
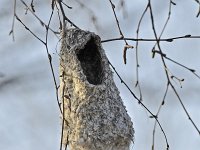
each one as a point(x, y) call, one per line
point(91, 62)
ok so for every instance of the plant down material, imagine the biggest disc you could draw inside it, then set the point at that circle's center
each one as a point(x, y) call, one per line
point(95, 117)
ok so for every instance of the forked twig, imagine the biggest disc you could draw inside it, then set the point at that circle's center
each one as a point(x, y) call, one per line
point(159, 109)
point(165, 66)
point(31, 9)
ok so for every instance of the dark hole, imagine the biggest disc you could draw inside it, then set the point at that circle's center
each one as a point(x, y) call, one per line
point(90, 60)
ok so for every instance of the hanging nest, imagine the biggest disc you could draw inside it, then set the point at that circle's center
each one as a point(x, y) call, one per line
point(94, 113)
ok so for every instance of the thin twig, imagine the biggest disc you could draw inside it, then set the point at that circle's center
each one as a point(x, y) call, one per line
point(177, 63)
point(166, 22)
point(136, 51)
point(165, 68)
point(117, 21)
point(29, 30)
point(159, 109)
point(199, 8)
point(32, 6)
point(184, 108)
point(157, 41)
point(13, 21)
point(66, 5)
point(187, 68)
point(63, 112)
point(40, 20)
point(50, 59)
point(138, 100)
point(170, 39)
point(64, 16)
point(127, 46)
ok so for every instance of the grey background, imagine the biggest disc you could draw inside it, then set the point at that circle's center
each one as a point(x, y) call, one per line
point(29, 115)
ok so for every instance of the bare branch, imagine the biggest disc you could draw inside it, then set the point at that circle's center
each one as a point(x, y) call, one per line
point(170, 39)
point(120, 31)
point(136, 51)
point(64, 16)
point(159, 109)
point(166, 68)
point(41, 22)
point(30, 30)
point(139, 102)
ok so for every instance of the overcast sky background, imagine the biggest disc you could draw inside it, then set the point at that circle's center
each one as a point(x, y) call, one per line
point(29, 115)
